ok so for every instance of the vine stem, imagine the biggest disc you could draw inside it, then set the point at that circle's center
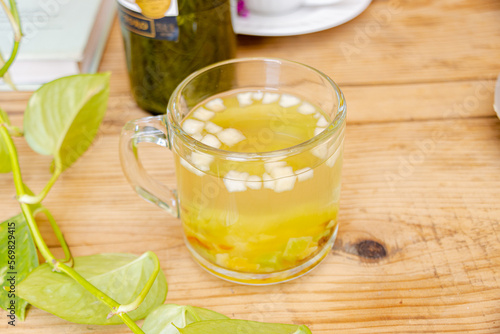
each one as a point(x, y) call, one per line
point(13, 17)
point(42, 246)
point(15, 13)
point(13, 130)
point(6, 77)
point(67, 252)
point(28, 199)
point(138, 300)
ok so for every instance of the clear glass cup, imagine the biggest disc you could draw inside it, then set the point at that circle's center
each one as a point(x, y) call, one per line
point(261, 235)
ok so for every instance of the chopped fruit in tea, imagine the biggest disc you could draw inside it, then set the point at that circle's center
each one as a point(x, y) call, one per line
point(265, 216)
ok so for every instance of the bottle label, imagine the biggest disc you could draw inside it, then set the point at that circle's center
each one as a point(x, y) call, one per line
point(155, 19)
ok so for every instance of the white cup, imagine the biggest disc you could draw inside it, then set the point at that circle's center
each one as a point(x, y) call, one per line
point(277, 7)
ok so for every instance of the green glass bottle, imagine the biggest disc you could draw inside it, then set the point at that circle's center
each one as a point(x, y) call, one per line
point(166, 40)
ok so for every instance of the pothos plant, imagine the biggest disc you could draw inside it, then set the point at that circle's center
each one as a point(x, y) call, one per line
point(61, 120)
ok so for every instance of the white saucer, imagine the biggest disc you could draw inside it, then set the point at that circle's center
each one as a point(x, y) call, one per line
point(304, 20)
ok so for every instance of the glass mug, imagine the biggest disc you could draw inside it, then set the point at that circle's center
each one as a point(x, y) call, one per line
point(259, 215)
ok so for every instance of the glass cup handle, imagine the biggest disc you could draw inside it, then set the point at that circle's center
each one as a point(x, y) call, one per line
point(146, 130)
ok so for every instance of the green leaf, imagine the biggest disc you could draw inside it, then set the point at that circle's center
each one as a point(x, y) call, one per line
point(25, 260)
point(5, 164)
point(160, 320)
point(63, 116)
point(241, 327)
point(120, 276)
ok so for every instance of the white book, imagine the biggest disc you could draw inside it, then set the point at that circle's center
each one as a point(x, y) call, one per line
point(60, 38)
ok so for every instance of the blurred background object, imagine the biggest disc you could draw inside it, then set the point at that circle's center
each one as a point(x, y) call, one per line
point(165, 46)
point(294, 17)
point(59, 38)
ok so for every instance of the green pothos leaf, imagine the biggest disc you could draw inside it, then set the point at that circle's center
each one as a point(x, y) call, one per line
point(163, 318)
point(63, 116)
point(5, 164)
point(120, 276)
point(241, 327)
point(18, 258)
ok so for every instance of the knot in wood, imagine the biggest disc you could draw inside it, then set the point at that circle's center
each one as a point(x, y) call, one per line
point(371, 249)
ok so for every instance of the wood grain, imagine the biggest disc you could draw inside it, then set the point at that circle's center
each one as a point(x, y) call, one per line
point(421, 181)
point(437, 221)
point(399, 41)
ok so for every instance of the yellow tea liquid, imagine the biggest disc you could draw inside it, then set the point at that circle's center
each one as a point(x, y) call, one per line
point(258, 216)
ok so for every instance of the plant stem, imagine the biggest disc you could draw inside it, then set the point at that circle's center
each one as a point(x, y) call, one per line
point(110, 302)
point(13, 16)
point(16, 169)
point(37, 236)
point(140, 298)
point(14, 130)
point(6, 77)
point(9, 61)
point(20, 189)
point(131, 324)
point(67, 252)
point(40, 197)
point(40, 243)
point(15, 13)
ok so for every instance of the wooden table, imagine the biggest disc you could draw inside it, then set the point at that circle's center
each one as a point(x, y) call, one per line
point(421, 182)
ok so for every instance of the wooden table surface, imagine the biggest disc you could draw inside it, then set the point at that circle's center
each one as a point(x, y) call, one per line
point(421, 179)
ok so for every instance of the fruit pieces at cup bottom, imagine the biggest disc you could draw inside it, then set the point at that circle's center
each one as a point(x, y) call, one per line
point(262, 253)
